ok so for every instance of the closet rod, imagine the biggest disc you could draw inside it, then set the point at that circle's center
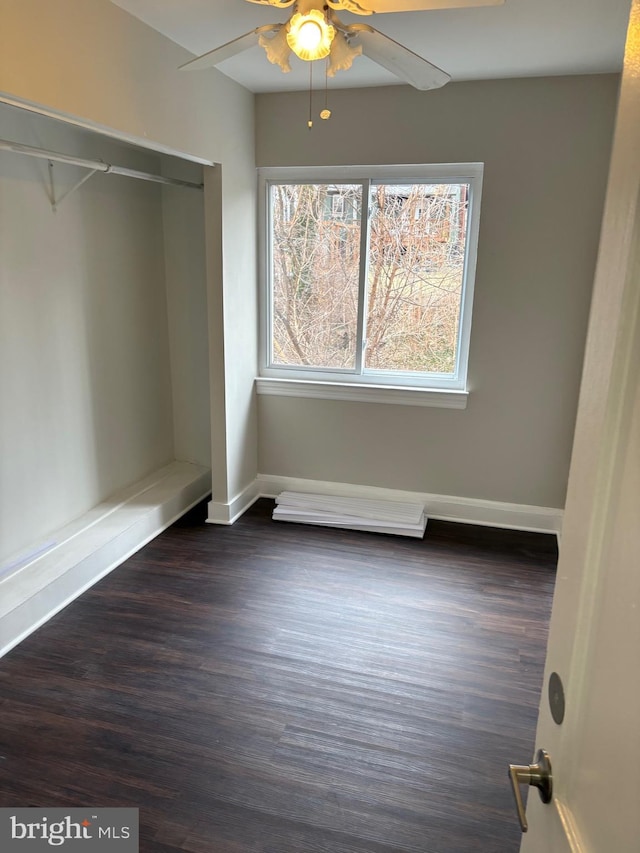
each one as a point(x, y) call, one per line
point(95, 165)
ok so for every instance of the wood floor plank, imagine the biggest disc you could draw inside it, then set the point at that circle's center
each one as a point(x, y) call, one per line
point(276, 688)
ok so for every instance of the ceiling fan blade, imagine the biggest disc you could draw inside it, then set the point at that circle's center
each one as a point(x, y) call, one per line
point(401, 61)
point(231, 48)
point(421, 5)
point(278, 4)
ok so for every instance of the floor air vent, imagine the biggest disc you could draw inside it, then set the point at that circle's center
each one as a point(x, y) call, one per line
point(399, 519)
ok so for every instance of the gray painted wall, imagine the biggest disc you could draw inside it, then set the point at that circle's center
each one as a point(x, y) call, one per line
point(185, 275)
point(545, 143)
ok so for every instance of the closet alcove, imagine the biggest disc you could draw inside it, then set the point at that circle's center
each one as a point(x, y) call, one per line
point(104, 379)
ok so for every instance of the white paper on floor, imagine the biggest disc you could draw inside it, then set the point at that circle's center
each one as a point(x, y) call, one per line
point(400, 519)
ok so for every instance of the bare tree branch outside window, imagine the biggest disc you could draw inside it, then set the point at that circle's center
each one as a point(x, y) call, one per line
point(415, 267)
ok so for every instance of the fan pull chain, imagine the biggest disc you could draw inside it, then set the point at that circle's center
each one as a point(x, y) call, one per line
point(310, 121)
point(326, 112)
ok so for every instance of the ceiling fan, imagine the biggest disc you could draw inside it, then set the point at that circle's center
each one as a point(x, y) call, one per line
point(314, 31)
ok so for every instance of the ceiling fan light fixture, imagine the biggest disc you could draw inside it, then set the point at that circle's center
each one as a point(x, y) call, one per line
point(343, 52)
point(277, 49)
point(310, 36)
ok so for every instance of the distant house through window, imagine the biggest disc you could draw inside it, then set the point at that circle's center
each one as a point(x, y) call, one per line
point(369, 277)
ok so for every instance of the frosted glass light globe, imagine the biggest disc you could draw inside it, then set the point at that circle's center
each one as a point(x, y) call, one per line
point(309, 36)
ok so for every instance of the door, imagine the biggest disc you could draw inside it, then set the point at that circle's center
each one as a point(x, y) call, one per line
point(594, 643)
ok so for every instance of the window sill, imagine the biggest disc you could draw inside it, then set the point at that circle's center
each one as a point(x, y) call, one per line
point(403, 396)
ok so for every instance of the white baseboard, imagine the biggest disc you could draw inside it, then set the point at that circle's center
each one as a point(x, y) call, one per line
point(34, 589)
point(443, 507)
point(226, 513)
point(58, 570)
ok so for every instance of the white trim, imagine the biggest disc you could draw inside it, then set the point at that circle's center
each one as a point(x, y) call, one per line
point(55, 572)
point(103, 129)
point(32, 590)
point(471, 173)
point(570, 827)
point(363, 267)
point(220, 512)
point(352, 392)
point(443, 507)
point(406, 172)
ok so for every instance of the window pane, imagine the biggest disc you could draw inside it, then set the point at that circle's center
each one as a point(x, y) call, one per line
point(314, 273)
point(416, 265)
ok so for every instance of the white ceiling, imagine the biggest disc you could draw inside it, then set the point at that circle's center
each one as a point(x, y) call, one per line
point(522, 38)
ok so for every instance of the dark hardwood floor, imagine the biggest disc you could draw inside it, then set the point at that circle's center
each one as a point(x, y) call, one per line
point(276, 688)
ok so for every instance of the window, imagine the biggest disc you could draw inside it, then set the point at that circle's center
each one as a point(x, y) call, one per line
point(337, 204)
point(369, 275)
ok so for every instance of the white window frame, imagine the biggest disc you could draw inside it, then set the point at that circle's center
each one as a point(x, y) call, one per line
point(444, 390)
